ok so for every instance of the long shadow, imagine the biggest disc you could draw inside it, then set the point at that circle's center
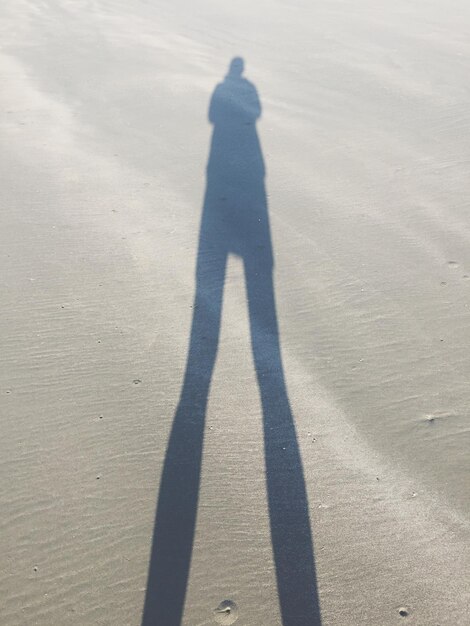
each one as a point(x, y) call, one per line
point(234, 221)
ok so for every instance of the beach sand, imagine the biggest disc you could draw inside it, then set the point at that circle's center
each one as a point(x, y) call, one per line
point(325, 484)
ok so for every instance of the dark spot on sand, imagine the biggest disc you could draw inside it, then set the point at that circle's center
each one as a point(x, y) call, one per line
point(403, 612)
point(35, 569)
point(136, 381)
point(452, 264)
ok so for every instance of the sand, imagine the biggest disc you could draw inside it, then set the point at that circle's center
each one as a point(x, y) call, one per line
point(306, 463)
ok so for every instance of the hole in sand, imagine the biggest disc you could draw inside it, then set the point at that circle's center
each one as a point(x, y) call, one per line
point(226, 613)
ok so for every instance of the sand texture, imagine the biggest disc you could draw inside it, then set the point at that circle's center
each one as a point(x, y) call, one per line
point(235, 312)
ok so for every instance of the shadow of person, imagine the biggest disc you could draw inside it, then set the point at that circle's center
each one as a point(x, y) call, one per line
point(234, 221)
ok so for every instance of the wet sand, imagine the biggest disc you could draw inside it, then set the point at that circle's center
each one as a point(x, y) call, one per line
point(320, 442)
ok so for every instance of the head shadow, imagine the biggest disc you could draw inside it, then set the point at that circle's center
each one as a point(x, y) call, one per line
point(235, 221)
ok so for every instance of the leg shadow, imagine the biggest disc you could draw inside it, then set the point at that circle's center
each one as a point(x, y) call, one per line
point(287, 498)
point(178, 497)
